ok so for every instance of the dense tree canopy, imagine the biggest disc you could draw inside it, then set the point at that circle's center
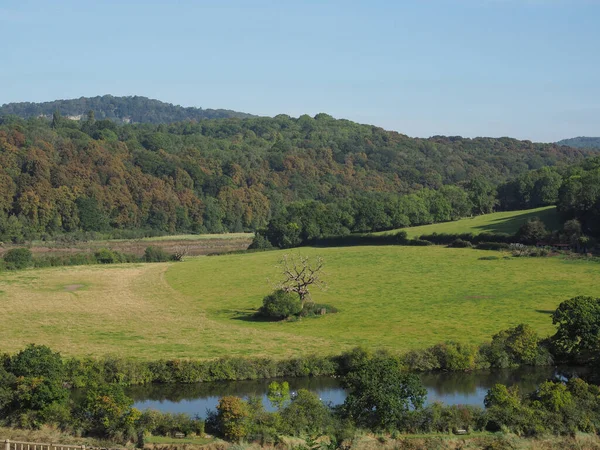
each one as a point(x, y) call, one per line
point(581, 142)
point(134, 109)
point(312, 176)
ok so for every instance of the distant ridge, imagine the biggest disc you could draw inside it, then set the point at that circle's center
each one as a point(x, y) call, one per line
point(581, 142)
point(131, 109)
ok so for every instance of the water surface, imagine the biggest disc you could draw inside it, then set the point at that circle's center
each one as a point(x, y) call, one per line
point(457, 388)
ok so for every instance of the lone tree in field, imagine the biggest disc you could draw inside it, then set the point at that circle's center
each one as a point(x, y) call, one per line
point(299, 274)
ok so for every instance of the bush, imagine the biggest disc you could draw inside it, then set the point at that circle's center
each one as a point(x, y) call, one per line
point(492, 246)
point(17, 258)
point(260, 242)
point(459, 243)
point(155, 254)
point(316, 309)
point(280, 305)
point(105, 256)
point(419, 242)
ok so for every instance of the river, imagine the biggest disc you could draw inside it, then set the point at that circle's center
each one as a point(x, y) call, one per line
point(454, 388)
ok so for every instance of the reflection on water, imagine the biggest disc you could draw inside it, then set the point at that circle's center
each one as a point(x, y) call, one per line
point(450, 388)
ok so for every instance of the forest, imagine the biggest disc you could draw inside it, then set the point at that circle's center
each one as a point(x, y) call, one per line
point(581, 142)
point(133, 109)
point(65, 176)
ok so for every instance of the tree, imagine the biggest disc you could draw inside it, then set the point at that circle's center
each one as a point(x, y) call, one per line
point(106, 410)
point(232, 418)
point(515, 346)
point(578, 334)
point(532, 231)
point(37, 385)
point(37, 361)
point(306, 415)
point(482, 195)
point(380, 393)
point(300, 273)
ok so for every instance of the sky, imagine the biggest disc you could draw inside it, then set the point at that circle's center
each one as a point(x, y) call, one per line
point(528, 69)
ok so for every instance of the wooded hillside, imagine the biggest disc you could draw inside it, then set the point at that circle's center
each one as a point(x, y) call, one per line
point(236, 174)
point(134, 109)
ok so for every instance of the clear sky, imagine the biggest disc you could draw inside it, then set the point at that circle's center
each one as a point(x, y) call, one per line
point(523, 68)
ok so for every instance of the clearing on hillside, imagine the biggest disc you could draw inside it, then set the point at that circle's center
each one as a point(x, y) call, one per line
point(500, 222)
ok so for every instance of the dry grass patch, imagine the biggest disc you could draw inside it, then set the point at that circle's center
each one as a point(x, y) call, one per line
point(125, 310)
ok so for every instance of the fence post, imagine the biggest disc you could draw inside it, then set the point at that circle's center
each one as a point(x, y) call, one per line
point(7, 444)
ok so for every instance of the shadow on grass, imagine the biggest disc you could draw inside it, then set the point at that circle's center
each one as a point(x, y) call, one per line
point(545, 311)
point(510, 225)
point(248, 316)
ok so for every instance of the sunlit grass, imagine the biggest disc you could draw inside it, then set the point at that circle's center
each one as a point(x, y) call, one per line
point(500, 222)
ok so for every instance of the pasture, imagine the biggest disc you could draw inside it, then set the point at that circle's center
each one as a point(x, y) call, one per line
point(391, 297)
point(500, 222)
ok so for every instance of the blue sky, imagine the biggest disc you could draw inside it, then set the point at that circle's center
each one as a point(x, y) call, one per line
point(523, 68)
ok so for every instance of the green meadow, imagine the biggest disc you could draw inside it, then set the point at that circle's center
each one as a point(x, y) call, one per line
point(500, 222)
point(393, 297)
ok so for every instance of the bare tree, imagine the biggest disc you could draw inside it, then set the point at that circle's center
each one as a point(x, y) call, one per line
point(299, 274)
point(181, 251)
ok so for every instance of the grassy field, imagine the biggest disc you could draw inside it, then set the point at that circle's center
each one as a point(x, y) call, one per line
point(389, 297)
point(501, 222)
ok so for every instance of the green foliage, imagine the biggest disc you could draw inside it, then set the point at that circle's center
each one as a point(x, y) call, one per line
point(306, 415)
point(459, 243)
point(278, 393)
point(579, 196)
point(578, 329)
point(106, 411)
point(581, 142)
point(298, 179)
point(280, 305)
point(167, 424)
point(155, 254)
point(532, 232)
point(134, 109)
point(232, 418)
point(34, 392)
point(380, 393)
point(17, 258)
point(516, 346)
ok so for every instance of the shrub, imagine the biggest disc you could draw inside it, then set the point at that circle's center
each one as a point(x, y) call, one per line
point(280, 305)
point(316, 309)
point(155, 254)
point(105, 256)
point(492, 246)
point(419, 242)
point(459, 243)
point(260, 242)
point(17, 258)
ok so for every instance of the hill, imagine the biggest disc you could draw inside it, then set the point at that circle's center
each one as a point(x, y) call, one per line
point(233, 175)
point(133, 109)
point(581, 142)
point(392, 297)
